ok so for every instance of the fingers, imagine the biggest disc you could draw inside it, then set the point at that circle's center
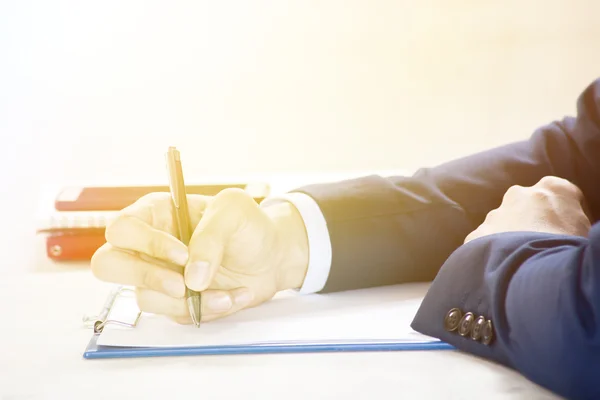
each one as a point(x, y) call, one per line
point(161, 290)
point(560, 186)
point(156, 210)
point(221, 303)
point(224, 218)
point(147, 226)
point(141, 238)
point(215, 304)
point(567, 189)
point(548, 184)
point(112, 265)
point(547, 187)
point(154, 302)
point(131, 233)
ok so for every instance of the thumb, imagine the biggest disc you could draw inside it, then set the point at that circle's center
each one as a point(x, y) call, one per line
point(208, 243)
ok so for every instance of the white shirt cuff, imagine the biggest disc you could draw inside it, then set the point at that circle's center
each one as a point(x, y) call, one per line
point(319, 244)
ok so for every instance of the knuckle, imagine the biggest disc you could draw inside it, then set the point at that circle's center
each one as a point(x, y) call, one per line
point(139, 207)
point(198, 202)
point(115, 228)
point(557, 184)
point(148, 206)
point(153, 198)
point(231, 203)
point(490, 215)
point(98, 261)
point(232, 196)
point(572, 190)
point(148, 279)
point(112, 226)
point(156, 246)
point(540, 194)
point(514, 191)
point(550, 181)
point(157, 217)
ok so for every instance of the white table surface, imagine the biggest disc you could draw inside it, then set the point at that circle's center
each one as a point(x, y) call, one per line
point(43, 340)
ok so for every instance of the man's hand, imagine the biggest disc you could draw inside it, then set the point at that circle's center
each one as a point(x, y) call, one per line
point(239, 255)
point(552, 205)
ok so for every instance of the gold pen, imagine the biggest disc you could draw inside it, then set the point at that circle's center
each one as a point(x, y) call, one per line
point(184, 226)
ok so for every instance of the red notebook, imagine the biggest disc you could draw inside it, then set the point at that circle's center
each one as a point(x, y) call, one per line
point(74, 244)
point(107, 198)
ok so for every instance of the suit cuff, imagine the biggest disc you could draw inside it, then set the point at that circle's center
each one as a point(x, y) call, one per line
point(319, 245)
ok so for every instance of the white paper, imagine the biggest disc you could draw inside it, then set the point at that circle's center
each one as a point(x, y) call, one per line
point(381, 314)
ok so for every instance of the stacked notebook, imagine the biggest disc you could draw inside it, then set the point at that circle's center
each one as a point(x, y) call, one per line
point(76, 223)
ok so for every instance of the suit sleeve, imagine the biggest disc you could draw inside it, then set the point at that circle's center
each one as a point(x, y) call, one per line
point(530, 301)
point(401, 229)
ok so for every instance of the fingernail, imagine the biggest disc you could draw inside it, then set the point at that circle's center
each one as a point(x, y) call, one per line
point(220, 303)
point(179, 257)
point(244, 297)
point(196, 274)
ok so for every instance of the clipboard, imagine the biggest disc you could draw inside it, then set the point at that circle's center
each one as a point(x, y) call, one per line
point(323, 319)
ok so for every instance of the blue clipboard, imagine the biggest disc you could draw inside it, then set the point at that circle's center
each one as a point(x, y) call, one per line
point(94, 350)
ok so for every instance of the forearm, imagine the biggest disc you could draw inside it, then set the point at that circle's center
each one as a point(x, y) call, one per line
point(401, 229)
point(566, 148)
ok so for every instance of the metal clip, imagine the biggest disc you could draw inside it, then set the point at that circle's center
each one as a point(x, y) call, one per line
point(98, 322)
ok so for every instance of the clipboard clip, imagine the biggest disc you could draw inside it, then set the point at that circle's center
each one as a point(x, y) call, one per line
point(99, 321)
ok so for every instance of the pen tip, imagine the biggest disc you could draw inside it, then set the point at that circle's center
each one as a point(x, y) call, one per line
point(194, 307)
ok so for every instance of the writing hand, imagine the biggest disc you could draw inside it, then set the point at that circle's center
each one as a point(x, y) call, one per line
point(239, 255)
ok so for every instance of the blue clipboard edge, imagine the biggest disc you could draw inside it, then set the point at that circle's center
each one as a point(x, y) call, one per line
point(94, 351)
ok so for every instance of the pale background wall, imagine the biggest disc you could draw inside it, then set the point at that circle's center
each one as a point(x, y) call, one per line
point(262, 86)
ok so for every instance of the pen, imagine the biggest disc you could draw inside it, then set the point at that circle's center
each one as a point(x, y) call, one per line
point(182, 219)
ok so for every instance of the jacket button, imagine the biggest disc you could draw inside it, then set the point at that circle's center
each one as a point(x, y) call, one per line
point(466, 324)
point(487, 333)
point(452, 319)
point(478, 326)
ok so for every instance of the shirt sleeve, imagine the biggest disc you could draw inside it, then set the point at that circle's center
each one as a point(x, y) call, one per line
point(319, 245)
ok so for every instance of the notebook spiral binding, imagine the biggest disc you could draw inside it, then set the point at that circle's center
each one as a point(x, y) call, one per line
point(99, 321)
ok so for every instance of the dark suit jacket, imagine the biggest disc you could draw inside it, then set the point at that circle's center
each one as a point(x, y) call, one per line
point(530, 301)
